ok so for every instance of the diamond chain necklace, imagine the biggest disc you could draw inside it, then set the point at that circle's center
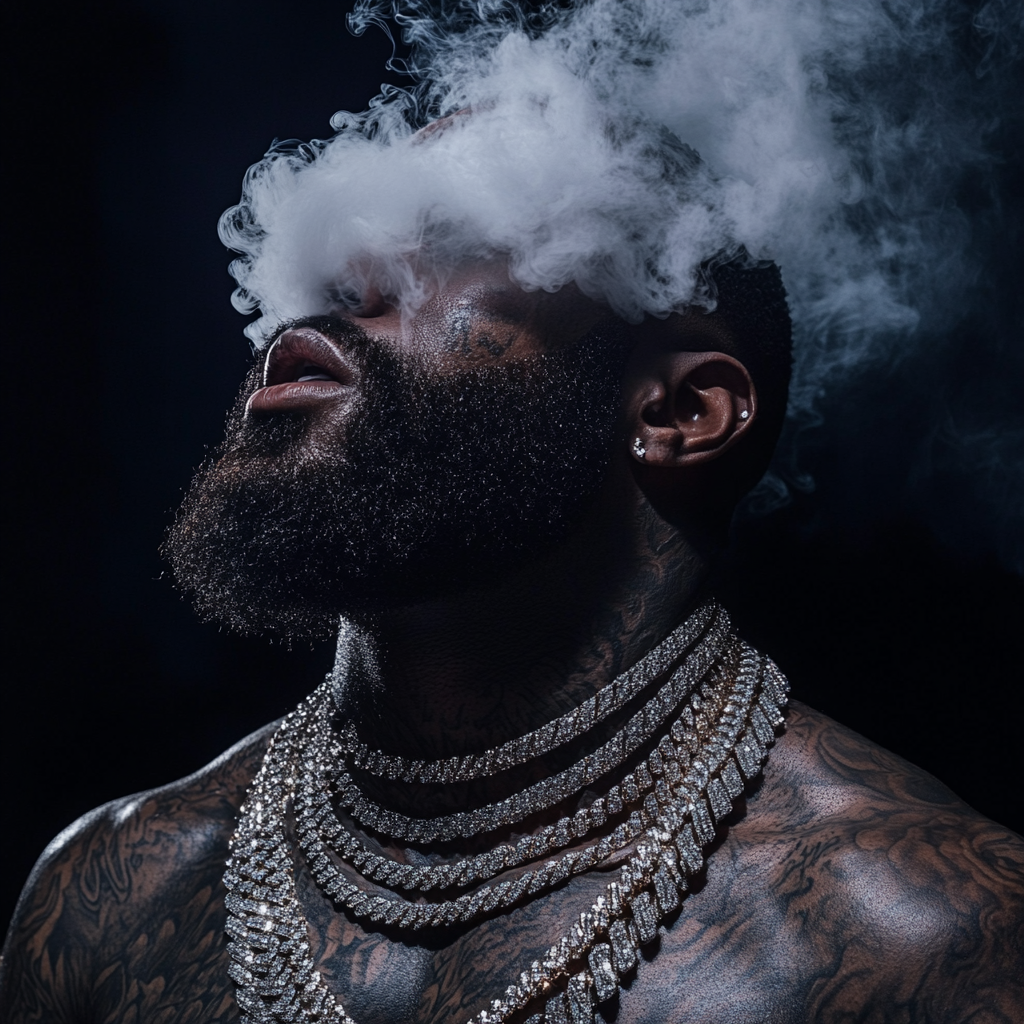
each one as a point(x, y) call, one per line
point(319, 829)
point(316, 830)
point(687, 783)
point(555, 733)
point(556, 788)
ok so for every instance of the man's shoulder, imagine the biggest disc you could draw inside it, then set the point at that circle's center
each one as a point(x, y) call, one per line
point(824, 775)
point(162, 830)
point(897, 885)
point(128, 880)
point(861, 805)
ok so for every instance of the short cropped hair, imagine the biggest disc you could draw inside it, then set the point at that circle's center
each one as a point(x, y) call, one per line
point(752, 305)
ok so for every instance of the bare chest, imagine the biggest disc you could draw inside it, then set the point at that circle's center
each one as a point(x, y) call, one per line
point(759, 938)
point(714, 961)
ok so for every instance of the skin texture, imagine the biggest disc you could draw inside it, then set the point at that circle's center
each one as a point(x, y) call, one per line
point(851, 886)
point(847, 886)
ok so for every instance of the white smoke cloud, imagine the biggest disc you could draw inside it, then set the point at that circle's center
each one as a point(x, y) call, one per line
point(833, 137)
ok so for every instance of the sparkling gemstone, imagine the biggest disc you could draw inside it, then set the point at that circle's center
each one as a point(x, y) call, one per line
point(614, 800)
point(580, 824)
point(623, 944)
point(579, 999)
point(770, 709)
point(732, 779)
point(644, 858)
point(614, 898)
point(762, 727)
point(666, 891)
point(555, 1010)
point(644, 917)
point(697, 776)
point(651, 808)
point(606, 982)
point(748, 757)
point(721, 805)
point(701, 818)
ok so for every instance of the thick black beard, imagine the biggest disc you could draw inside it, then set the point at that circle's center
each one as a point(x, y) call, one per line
point(442, 480)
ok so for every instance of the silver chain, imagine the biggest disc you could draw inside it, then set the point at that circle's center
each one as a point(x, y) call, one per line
point(317, 820)
point(272, 964)
point(321, 834)
point(556, 733)
point(550, 791)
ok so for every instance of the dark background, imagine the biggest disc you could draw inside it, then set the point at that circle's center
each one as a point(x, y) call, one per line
point(886, 593)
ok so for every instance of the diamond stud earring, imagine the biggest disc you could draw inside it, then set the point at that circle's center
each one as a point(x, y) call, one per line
point(745, 414)
point(638, 448)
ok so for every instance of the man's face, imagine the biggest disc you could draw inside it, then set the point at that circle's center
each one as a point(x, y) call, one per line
point(373, 462)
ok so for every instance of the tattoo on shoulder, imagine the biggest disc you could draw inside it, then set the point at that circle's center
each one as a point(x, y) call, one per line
point(123, 917)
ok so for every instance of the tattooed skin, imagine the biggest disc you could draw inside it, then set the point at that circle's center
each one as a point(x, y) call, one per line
point(849, 885)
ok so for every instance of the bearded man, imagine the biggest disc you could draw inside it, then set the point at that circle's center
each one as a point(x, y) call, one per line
point(537, 784)
point(516, 370)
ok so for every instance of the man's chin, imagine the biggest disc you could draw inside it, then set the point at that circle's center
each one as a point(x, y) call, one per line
point(261, 558)
point(258, 605)
point(441, 483)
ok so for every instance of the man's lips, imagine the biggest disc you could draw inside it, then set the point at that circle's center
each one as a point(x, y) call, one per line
point(303, 368)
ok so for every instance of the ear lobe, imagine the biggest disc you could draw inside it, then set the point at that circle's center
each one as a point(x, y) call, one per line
point(690, 408)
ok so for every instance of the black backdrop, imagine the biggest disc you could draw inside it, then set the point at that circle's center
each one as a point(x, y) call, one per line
point(128, 130)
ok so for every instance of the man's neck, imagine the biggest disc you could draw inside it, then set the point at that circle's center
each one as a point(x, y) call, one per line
point(473, 669)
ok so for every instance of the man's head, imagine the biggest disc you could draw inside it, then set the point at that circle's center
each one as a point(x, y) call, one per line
point(374, 460)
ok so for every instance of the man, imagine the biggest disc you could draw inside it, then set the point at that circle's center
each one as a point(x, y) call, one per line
point(521, 367)
point(512, 499)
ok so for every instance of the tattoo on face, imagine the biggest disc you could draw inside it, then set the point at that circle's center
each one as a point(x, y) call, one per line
point(468, 338)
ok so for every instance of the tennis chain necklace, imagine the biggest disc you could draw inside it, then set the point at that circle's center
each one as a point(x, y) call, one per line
point(724, 701)
point(556, 788)
point(570, 726)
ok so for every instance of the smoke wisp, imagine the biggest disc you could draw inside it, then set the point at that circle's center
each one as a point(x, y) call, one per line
point(622, 144)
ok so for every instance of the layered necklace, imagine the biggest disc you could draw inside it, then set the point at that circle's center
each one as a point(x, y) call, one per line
point(696, 718)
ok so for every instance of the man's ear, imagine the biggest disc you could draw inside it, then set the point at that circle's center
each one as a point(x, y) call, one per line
point(688, 408)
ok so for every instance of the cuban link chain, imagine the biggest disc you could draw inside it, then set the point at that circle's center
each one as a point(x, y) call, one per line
point(272, 965)
point(320, 834)
point(550, 791)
